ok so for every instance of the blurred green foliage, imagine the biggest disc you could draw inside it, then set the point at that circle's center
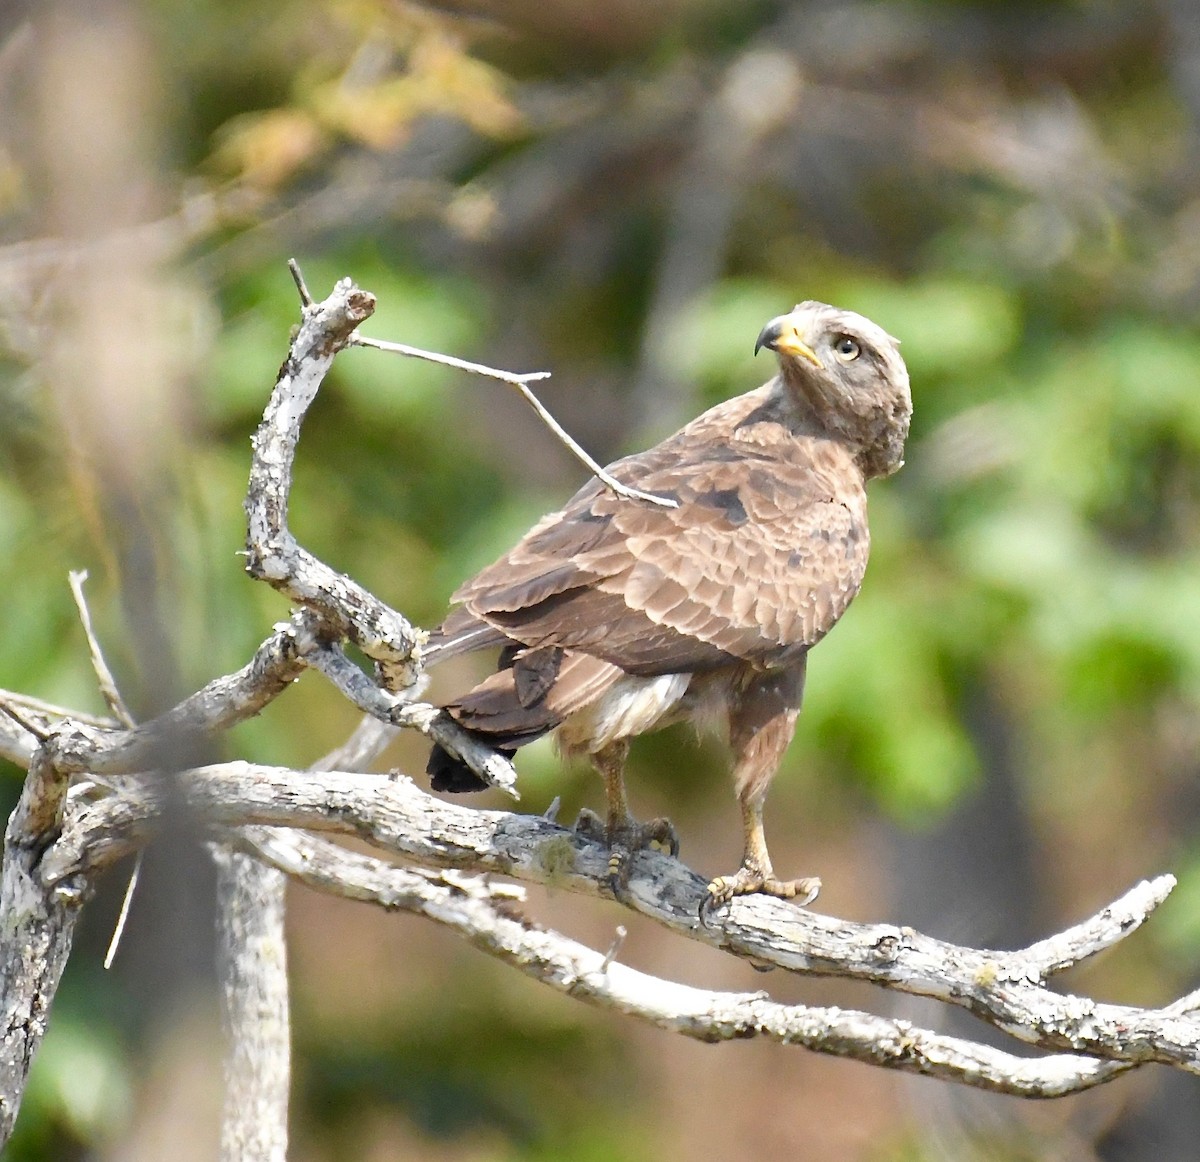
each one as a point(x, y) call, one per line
point(80, 1092)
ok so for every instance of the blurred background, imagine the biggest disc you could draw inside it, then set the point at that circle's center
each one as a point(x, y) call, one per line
point(999, 738)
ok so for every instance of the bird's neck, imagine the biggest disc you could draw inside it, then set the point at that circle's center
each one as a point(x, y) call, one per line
point(873, 431)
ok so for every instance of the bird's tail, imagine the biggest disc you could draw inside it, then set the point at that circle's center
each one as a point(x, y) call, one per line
point(448, 772)
point(531, 693)
point(492, 713)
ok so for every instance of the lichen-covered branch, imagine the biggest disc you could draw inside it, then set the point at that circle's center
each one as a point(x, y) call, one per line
point(1004, 988)
point(482, 914)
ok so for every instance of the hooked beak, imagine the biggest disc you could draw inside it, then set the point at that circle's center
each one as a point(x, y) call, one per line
point(780, 335)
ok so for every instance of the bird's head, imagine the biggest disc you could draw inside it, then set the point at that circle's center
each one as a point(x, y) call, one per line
point(847, 372)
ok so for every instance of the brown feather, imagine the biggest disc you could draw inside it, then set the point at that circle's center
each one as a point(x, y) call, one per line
point(514, 710)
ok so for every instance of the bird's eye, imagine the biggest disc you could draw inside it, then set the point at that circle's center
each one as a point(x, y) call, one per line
point(846, 348)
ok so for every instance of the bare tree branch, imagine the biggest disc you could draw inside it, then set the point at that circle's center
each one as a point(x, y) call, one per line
point(1003, 988)
point(25, 721)
point(343, 608)
point(224, 702)
point(37, 925)
point(495, 768)
point(104, 676)
point(521, 383)
point(121, 712)
point(470, 907)
point(272, 553)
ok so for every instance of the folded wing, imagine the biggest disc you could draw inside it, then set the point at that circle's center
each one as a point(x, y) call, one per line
point(756, 564)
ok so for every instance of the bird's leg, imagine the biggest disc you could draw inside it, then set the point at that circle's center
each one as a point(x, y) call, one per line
point(762, 721)
point(623, 834)
point(756, 873)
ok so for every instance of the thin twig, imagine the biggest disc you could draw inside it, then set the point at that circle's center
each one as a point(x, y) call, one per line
point(50, 710)
point(26, 724)
point(120, 710)
point(516, 379)
point(614, 948)
point(119, 928)
point(306, 299)
point(521, 383)
point(104, 676)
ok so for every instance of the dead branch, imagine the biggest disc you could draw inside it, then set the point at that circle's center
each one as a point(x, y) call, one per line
point(521, 383)
point(1004, 988)
point(471, 908)
point(37, 925)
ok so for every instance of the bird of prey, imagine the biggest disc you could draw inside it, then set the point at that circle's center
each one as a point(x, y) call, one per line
point(616, 616)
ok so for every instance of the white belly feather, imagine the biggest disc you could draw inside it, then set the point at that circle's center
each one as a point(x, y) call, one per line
point(629, 707)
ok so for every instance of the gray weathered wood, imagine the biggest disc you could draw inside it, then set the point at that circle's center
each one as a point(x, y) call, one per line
point(254, 1007)
point(37, 924)
point(480, 911)
point(1005, 988)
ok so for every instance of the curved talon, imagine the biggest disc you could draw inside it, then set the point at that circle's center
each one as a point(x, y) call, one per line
point(803, 891)
point(746, 882)
point(709, 902)
point(618, 872)
point(660, 832)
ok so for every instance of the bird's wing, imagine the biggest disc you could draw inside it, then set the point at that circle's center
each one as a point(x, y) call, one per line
point(461, 633)
point(764, 552)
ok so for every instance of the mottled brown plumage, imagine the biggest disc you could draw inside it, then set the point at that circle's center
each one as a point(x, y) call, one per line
point(618, 616)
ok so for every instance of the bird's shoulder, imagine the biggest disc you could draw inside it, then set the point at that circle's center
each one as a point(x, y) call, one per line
point(743, 465)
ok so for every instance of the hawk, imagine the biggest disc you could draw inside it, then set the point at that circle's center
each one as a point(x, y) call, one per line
point(617, 616)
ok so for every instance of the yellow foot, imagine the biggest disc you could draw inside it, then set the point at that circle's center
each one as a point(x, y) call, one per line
point(624, 839)
point(748, 882)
